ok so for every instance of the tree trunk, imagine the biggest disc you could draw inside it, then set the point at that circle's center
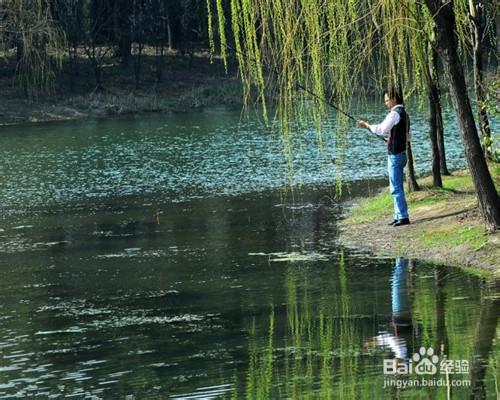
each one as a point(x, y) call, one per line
point(73, 67)
point(169, 33)
point(497, 26)
point(477, 24)
point(125, 46)
point(138, 65)
point(122, 30)
point(19, 49)
point(159, 54)
point(439, 112)
point(97, 74)
point(433, 96)
point(410, 171)
point(489, 202)
point(440, 135)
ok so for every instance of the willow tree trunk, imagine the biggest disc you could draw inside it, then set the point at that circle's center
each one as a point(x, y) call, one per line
point(476, 14)
point(410, 171)
point(489, 202)
point(440, 135)
point(433, 96)
point(439, 112)
point(436, 160)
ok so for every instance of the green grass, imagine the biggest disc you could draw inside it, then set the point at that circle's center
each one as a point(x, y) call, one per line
point(475, 237)
point(376, 207)
point(458, 239)
point(370, 209)
point(458, 183)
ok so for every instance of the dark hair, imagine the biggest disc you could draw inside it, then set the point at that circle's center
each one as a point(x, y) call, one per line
point(394, 94)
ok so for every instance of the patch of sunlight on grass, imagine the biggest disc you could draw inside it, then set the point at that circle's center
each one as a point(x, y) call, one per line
point(454, 187)
point(371, 209)
point(458, 183)
point(475, 237)
point(428, 200)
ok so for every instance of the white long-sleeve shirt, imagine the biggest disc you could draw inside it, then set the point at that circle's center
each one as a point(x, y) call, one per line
point(396, 344)
point(388, 123)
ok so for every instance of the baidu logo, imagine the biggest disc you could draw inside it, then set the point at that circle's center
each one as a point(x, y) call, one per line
point(427, 361)
point(426, 365)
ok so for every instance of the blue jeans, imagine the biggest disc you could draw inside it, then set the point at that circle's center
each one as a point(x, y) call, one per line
point(400, 299)
point(395, 165)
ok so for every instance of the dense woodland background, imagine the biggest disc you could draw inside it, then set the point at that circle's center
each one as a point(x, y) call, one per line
point(49, 45)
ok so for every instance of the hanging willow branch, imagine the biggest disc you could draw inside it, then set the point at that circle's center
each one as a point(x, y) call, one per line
point(29, 26)
point(334, 48)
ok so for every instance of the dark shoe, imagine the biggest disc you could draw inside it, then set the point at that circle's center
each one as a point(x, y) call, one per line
point(402, 221)
point(393, 222)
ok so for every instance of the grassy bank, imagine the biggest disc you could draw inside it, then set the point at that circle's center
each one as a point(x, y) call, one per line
point(446, 227)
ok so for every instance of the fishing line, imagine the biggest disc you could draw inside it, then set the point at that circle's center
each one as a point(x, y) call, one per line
point(326, 101)
point(335, 107)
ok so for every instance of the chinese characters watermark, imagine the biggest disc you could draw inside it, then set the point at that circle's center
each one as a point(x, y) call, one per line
point(426, 365)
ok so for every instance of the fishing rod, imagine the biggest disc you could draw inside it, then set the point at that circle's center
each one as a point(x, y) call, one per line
point(334, 106)
point(319, 98)
point(308, 91)
point(326, 101)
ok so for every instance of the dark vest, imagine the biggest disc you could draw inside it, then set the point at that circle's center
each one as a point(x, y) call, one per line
point(397, 137)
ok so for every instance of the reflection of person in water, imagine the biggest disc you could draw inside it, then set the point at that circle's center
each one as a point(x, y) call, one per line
point(401, 322)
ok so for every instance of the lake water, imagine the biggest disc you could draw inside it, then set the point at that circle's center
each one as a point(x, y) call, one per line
point(164, 256)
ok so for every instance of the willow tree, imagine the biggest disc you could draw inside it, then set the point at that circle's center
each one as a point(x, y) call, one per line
point(476, 24)
point(336, 46)
point(29, 26)
point(446, 41)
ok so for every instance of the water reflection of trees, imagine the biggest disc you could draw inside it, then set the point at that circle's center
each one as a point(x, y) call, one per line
point(484, 340)
point(317, 356)
point(316, 350)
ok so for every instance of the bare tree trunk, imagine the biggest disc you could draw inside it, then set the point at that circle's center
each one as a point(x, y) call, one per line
point(73, 67)
point(497, 26)
point(98, 76)
point(121, 21)
point(138, 65)
point(169, 33)
point(19, 49)
point(476, 14)
point(410, 170)
point(159, 61)
point(489, 202)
